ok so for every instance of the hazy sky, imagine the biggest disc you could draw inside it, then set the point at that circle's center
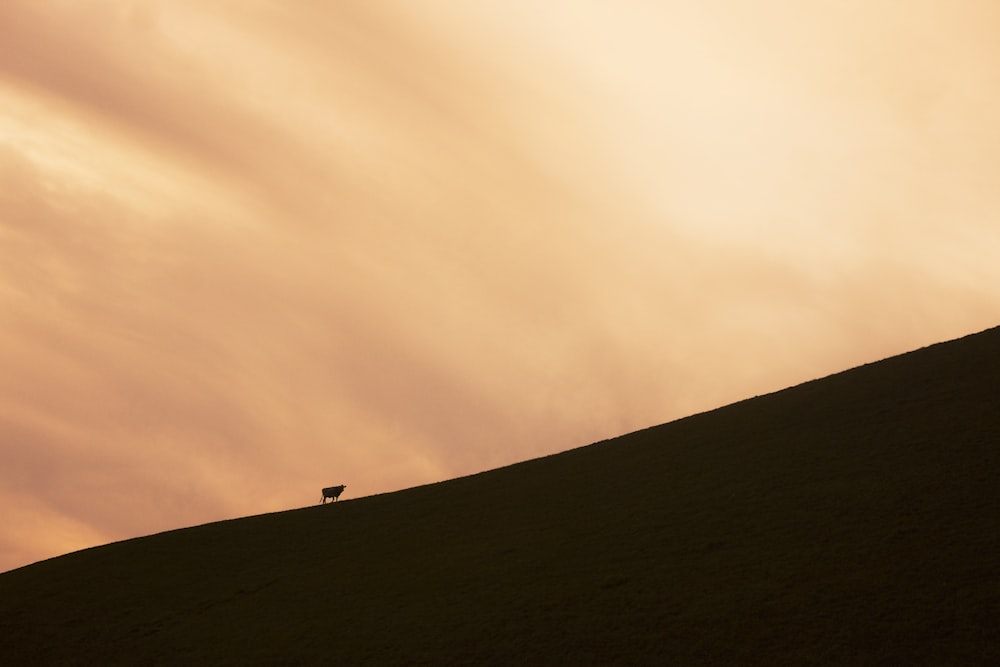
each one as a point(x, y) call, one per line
point(252, 248)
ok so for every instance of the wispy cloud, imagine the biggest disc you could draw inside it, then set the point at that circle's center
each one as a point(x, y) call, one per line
point(247, 251)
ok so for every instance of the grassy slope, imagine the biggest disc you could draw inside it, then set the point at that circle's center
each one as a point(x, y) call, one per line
point(850, 520)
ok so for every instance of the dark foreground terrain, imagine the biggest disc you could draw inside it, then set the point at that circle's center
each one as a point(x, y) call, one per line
point(852, 520)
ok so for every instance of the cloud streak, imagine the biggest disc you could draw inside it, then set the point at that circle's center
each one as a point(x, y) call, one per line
point(246, 252)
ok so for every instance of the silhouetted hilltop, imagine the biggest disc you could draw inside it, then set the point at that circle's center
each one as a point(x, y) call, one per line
point(848, 520)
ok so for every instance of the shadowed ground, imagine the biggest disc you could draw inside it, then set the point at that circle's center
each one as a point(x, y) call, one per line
point(850, 520)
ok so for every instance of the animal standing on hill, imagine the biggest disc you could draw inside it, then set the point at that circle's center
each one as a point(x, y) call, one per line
point(332, 492)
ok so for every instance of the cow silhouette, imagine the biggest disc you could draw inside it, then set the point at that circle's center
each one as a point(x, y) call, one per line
point(332, 492)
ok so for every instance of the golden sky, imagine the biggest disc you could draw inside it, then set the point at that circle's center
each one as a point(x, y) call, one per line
point(252, 248)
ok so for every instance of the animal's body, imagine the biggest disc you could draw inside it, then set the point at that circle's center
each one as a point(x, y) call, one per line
point(332, 492)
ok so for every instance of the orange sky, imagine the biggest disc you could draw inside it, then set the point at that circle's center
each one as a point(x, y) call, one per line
point(251, 248)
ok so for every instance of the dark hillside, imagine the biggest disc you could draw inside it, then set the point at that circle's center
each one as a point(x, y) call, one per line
point(850, 520)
